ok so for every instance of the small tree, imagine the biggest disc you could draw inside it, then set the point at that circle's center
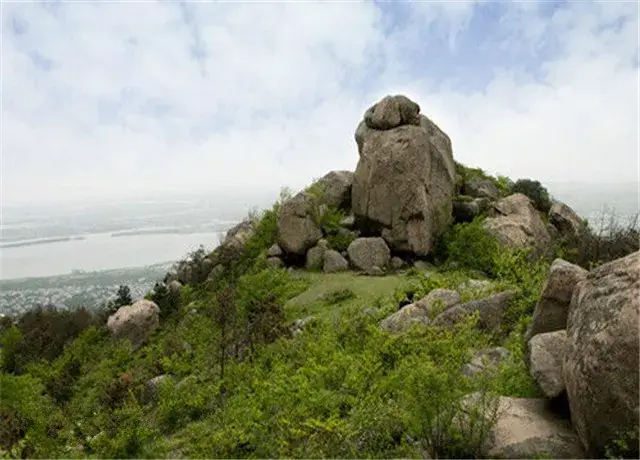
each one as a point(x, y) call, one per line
point(224, 317)
point(535, 191)
point(123, 297)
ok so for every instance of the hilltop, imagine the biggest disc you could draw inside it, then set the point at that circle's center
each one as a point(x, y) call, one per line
point(415, 307)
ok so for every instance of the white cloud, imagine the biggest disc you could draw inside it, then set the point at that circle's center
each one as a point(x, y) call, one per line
point(278, 90)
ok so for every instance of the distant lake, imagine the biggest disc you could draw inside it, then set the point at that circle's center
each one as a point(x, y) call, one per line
point(99, 252)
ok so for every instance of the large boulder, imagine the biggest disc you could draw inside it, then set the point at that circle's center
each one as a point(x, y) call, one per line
point(366, 253)
point(516, 224)
point(134, 322)
point(232, 246)
point(297, 219)
point(527, 428)
point(480, 188)
point(297, 229)
point(568, 223)
point(547, 355)
point(405, 318)
point(550, 313)
point(404, 183)
point(601, 364)
point(334, 262)
point(438, 300)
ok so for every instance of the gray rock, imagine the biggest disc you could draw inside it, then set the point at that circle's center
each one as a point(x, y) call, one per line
point(334, 262)
point(397, 263)
point(152, 386)
point(552, 308)
point(517, 224)
point(315, 258)
point(465, 211)
point(480, 188)
point(348, 221)
point(405, 318)
point(375, 271)
point(547, 354)
point(274, 251)
point(365, 253)
point(491, 310)
point(601, 364)
point(568, 223)
point(438, 301)
point(486, 360)
point(135, 322)
point(527, 428)
point(404, 181)
point(297, 230)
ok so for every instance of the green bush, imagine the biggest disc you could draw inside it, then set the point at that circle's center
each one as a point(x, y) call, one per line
point(536, 192)
point(470, 246)
point(27, 415)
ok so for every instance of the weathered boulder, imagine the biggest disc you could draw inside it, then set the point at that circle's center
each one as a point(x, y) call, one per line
point(465, 211)
point(517, 224)
point(487, 360)
point(601, 364)
point(335, 189)
point(134, 322)
point(438, 300)
point(491, 310)
point(403, 186)
point(334, 262)
point(527, 428)
point(232, 246)
point(397, 263)
point(550, 313)
point(315, 258)
point(568, 223)
point(547, 356)
point(480, 188)
point(152, 386)
point(405, 318)
point(274, 251)
point(297, 230)
point(366, 253)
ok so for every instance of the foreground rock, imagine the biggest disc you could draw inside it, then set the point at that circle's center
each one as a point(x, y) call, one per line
point(405, 179)
point(526, 428)
point(517, 224)
point(601, 363)
point(134, 322)
point(366, 253)
point(547, 356)
point(334, 262)
point(552, 308)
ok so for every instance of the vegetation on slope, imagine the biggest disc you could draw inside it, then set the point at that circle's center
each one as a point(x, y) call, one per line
point(239, 383)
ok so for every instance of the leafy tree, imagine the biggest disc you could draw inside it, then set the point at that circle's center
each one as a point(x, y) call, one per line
point(535, 191)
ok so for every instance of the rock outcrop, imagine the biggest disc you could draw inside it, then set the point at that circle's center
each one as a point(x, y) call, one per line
point(491, 310)
point(551, 311)
point(404, 183)
point(601, 363)
point(568, 223)
point(134, 322)
point(517, 224)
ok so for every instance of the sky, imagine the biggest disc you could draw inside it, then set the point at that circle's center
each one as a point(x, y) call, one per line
point(108, 99)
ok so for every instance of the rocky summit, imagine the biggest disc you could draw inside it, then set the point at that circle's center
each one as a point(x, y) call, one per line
point(413, 308)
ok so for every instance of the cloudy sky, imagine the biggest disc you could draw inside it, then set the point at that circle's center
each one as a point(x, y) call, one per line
point(104, 99)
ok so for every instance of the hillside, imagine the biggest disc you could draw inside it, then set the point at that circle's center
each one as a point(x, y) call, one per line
point(413, 308)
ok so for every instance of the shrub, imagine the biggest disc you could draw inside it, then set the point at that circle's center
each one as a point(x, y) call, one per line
point(535, 191)
point(607, 240)
point(470, 246)
point(44, 332)
point(27, 415)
